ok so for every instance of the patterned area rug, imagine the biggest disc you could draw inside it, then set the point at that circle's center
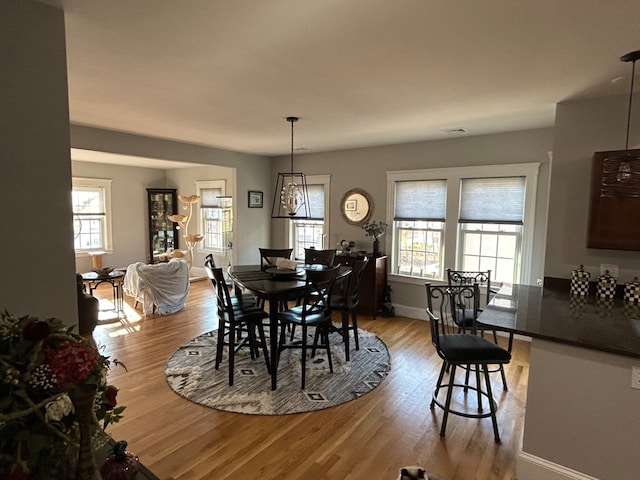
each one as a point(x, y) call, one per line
point(190, 373)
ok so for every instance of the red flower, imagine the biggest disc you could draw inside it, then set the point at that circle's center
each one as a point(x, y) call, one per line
point(71, 362)
point(110, 394)
point(36, 330)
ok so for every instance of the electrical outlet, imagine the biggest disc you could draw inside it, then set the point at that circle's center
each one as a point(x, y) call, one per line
point(635, 377)
point(612, 269)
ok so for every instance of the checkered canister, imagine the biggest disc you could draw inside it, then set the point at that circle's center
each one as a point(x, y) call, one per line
point(632, 291)
point(606, 286)
point(580, 282)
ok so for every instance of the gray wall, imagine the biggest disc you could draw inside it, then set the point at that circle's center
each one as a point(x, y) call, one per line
point(36, 245)
point(581, 413)
point(582, 128)
point(129, 210)
point(251, 173)
point(365, 168)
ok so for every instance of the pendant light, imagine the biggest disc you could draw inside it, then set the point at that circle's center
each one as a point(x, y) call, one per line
point(621, 173)
point(291, 196)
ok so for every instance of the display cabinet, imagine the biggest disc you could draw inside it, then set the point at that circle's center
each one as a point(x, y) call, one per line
point(163, 233)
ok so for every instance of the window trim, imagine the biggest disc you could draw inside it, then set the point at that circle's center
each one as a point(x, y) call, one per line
point(454, 175)
point(105, 185)
point(324, 180)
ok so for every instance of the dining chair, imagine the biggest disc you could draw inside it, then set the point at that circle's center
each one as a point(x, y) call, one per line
point(312, 312)
point(313, 256)
point(346, 301)
point(237, 325)
point(268, 256)
point(243, 299)
point(464, 316)
point(458, 349)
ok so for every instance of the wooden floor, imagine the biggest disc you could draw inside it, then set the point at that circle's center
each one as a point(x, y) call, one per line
point(370, 438)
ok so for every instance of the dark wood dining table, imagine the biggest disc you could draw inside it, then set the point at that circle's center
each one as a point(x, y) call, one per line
point(274, 286)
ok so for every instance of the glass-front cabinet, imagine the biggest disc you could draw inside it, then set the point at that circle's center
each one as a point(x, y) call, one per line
point(163, 233)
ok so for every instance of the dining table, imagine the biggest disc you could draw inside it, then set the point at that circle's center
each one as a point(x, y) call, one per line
point(276, 285)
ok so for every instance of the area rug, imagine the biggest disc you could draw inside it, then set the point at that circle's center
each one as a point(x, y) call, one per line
point(190, 373)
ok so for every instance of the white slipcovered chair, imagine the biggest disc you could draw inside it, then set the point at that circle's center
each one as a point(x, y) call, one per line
point(159, 287)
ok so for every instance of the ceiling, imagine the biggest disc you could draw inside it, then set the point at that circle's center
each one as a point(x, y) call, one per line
point(226, 73)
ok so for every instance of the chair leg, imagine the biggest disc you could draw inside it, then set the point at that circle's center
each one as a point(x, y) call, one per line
point(232, 352)
point(492, 405)
point(220, 344)
point(354, 323)
point(438, 384)
point(345, 333)
point(478, 385)
point(325, 331)
point(304, 354)
point(447, 403)
point(263, 342)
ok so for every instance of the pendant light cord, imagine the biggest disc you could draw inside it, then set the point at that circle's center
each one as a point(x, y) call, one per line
point(633, 71)
point(292, 120)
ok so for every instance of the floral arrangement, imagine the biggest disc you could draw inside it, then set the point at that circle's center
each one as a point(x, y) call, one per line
point(41, 363)
point(374, 229)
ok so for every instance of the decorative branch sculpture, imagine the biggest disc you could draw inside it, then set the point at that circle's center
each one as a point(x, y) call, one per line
point(191, 240)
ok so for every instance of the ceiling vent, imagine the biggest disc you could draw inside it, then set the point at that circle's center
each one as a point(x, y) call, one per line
point(454, 131)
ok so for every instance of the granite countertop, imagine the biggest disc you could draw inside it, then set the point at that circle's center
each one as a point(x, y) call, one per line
point(551, 313)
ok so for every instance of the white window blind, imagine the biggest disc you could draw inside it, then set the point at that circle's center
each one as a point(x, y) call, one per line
point(209, 197)
point(420, 200)
point(316, 201)
point(492, 200)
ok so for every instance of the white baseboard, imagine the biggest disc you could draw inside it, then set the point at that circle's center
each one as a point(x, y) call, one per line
point(197, 273)
point(530, 467)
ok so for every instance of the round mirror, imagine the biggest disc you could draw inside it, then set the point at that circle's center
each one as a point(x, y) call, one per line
point(356, 206)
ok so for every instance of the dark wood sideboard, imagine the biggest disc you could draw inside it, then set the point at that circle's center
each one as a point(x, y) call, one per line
point(372, 283)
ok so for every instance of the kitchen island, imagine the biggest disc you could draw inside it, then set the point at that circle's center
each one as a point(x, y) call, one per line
point(582, 418)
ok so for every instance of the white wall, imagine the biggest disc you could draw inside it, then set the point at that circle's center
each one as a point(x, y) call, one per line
point(36, 244)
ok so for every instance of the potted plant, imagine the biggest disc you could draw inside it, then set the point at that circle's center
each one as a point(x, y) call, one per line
point(54, 397)
point(376, 230)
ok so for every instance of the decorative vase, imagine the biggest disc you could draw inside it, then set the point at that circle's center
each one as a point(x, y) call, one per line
point(121, 465)
point(83, 396)
point(376, 248)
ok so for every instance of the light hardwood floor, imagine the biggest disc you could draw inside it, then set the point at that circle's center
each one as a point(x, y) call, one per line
point(370, 438)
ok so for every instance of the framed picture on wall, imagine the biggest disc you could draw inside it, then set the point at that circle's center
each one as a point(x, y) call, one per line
point(255, 199)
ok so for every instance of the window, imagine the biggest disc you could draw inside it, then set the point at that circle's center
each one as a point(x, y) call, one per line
point(471, 218)
point(418, 227)
point(490, 220)
point(91, 204)
point(216, 215)
point(311, 232)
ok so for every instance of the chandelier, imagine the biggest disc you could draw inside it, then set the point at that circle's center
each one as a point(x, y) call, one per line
point(291, 196)
point(621, 172)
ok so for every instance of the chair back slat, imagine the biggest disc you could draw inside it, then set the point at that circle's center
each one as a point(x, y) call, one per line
point(314, 256)
point(225, 307)
point(469, 277)
point(268, 256)
point(445, 303)
point(318, 286)
point(352, 287)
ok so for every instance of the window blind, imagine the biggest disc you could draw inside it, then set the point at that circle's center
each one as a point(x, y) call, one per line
point(316, 201)
point(88, 201)
point(492, 200)
point(209, 197)
point(420, 200)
